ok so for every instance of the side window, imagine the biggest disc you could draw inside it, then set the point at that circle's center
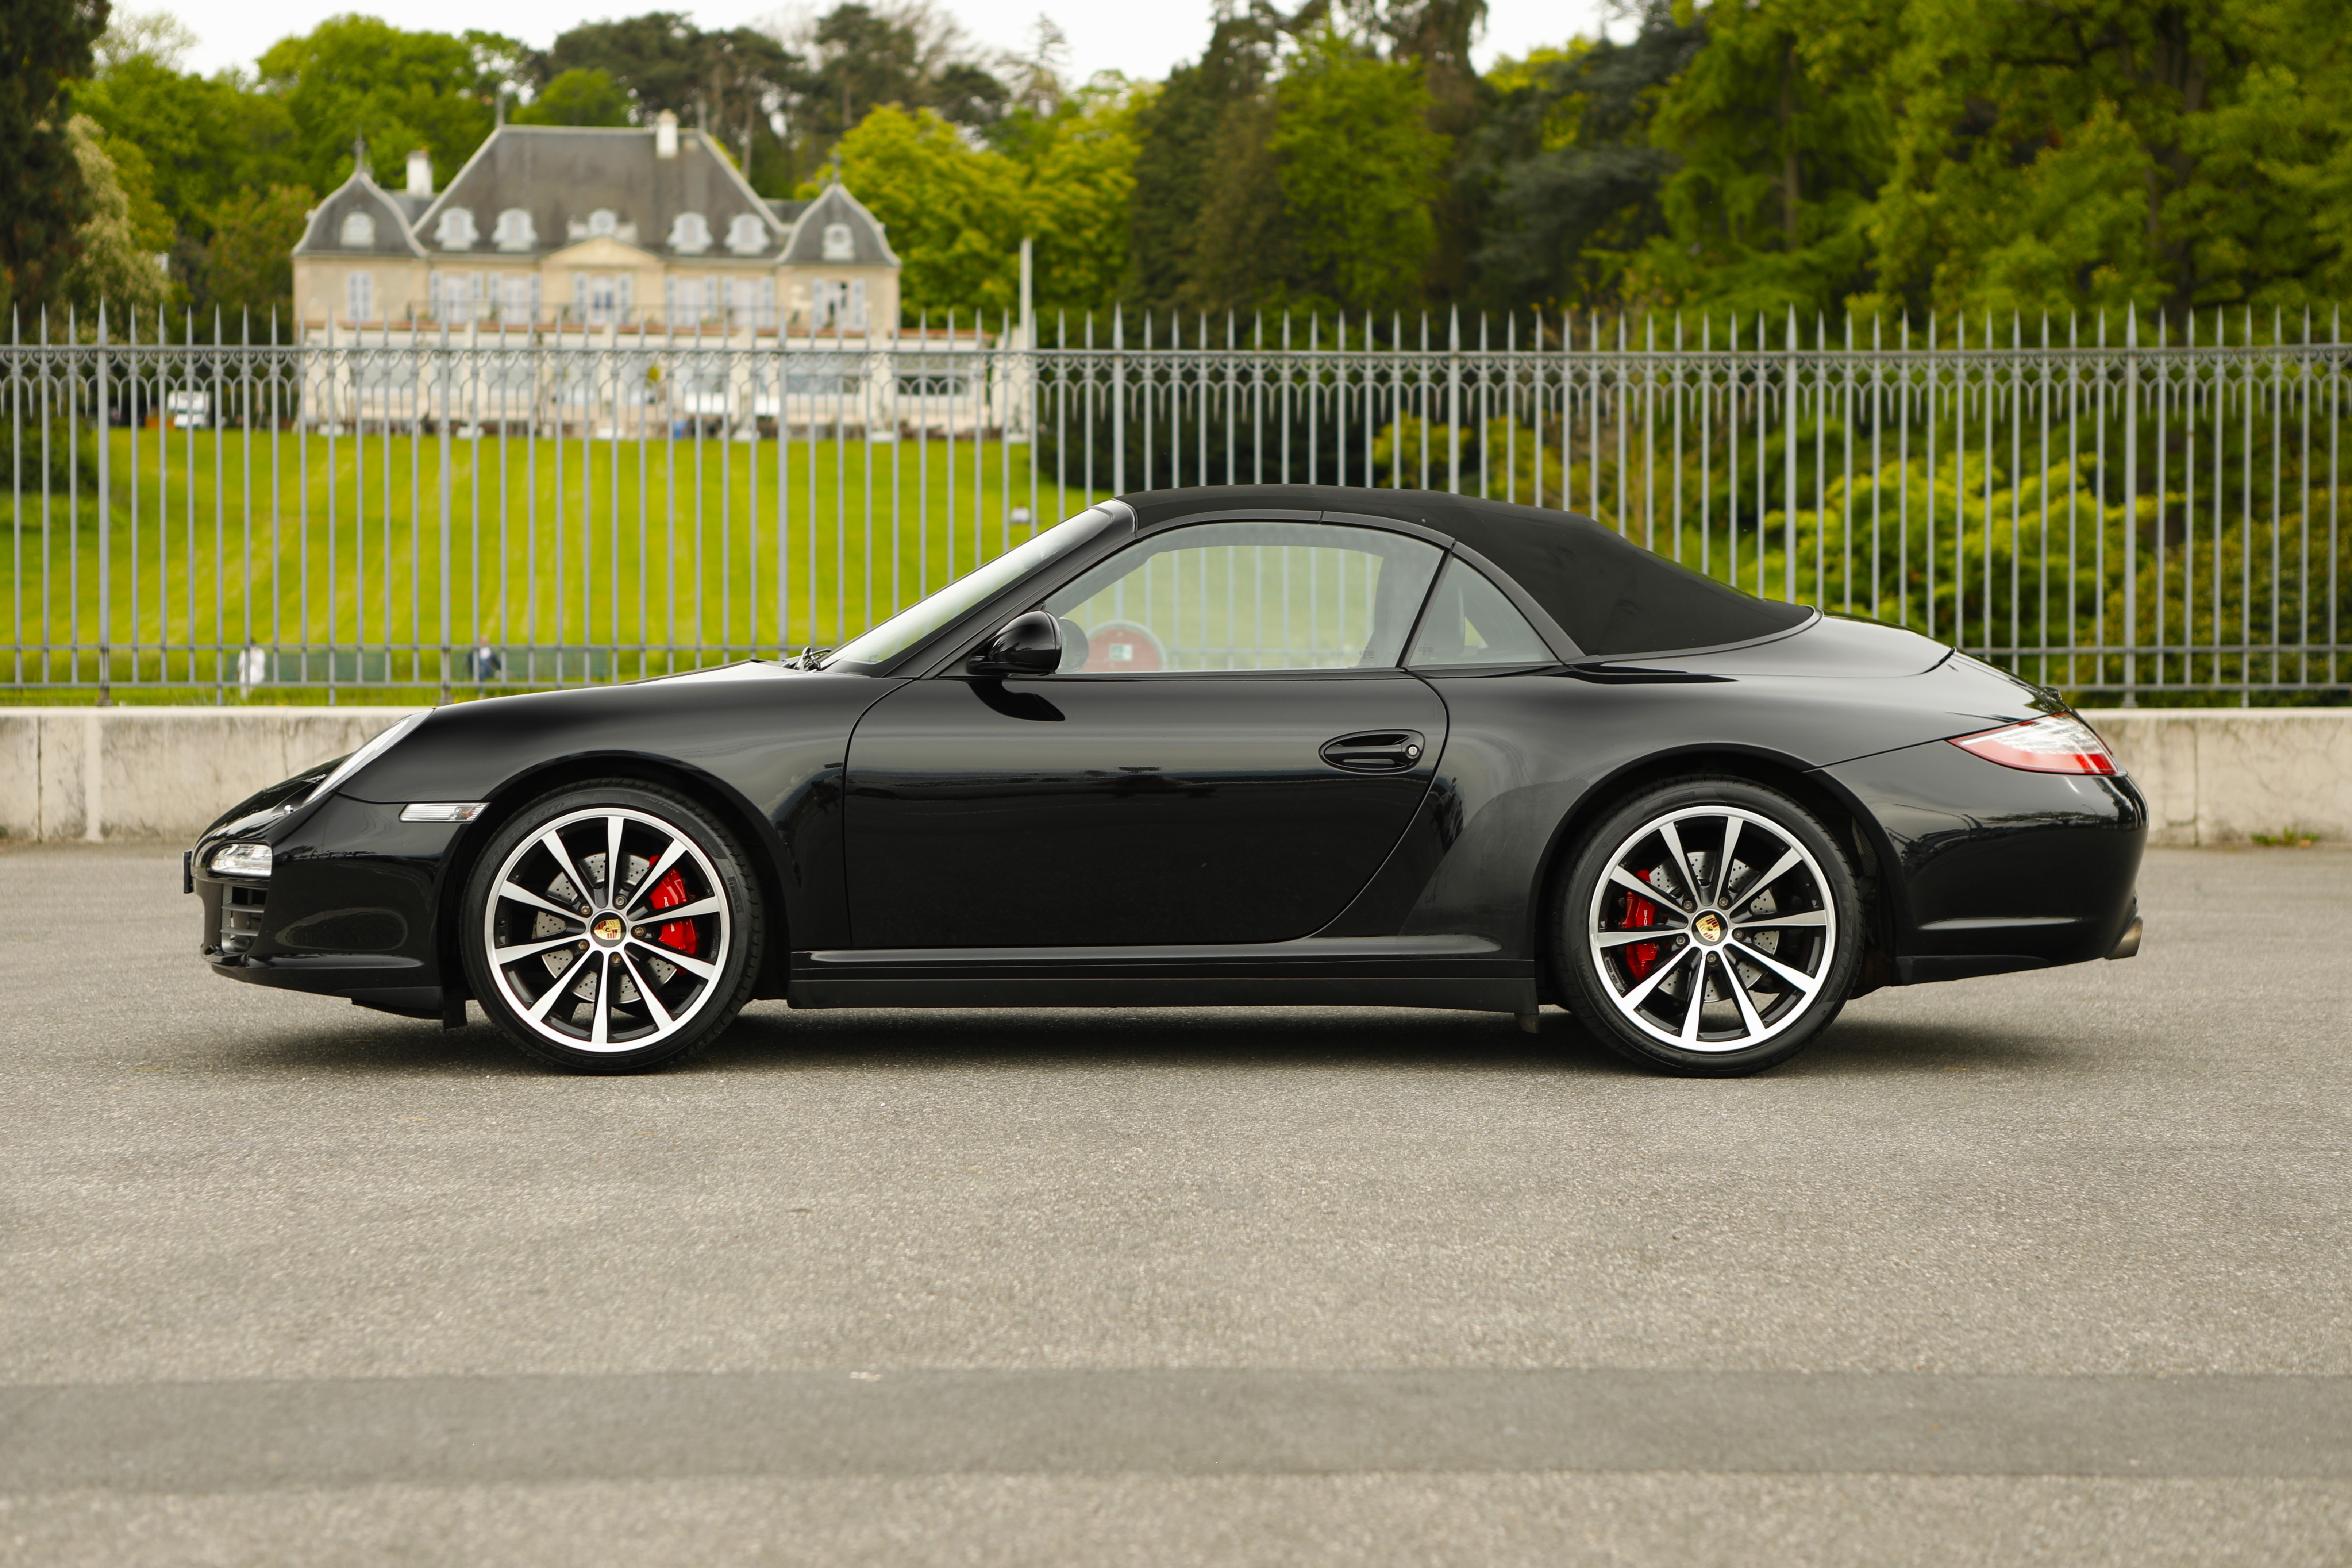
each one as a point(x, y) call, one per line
point(1470, 623)
point(1247, 595)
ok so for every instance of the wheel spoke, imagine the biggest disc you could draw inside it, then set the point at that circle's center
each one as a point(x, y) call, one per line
point(1794, 918)
point(1685, 883)
point(601, 1031)
point(1697, 1004)
point(502, 957)
point(1731, 826)
point(1755, 1025)
point(1641, 993)
point(562, 986)
point(653, 873)
point(687, 911)
point(667, 955)
point(662, 1020)
point(523, 895)
point(1780, 868)
point(1624, 879)
point(613, 864)
point(553, 839)
point(1621, 938)
point(1804, 983)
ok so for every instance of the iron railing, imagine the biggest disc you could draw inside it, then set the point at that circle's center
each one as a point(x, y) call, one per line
point(2115, 512)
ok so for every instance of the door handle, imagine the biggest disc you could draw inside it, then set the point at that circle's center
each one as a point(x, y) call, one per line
point(1375, 752)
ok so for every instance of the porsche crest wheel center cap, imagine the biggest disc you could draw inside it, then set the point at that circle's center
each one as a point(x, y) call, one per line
point(608, 930)
point(1710, 926)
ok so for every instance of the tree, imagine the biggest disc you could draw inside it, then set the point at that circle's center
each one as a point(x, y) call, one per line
point(1077, 171)
point(249, 265)
point(1359, 172)
point(953, 211)
point(357, 77)
point(117, 244)
point(727, 82)
point(577, 98)
point(1185, 153)
point(2104, 153)
point(43, 198)
point(1568, 175)
point(206, 138)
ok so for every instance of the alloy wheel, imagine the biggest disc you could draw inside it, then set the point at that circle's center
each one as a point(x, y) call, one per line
point(1713, 928)
point(608, 930)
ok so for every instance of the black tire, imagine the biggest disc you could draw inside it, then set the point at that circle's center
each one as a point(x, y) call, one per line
point(1777, 951)
point(617, 982)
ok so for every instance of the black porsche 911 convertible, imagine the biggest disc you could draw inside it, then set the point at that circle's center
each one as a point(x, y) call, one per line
point(1273, 745)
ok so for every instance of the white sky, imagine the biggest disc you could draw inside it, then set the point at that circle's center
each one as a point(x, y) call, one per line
point(1143, 40)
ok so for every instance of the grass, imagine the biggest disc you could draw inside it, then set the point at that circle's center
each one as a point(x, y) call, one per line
point(225, 539)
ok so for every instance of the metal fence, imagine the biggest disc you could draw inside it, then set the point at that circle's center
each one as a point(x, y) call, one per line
point(2153, 515)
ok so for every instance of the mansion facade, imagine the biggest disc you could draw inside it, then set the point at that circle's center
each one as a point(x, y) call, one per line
point(572, 227)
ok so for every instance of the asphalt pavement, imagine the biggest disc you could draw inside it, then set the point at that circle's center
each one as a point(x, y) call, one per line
point(2041, 1269)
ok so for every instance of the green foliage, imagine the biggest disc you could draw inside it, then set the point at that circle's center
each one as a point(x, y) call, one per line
point(577, 98)
point(122, 231)
point(249, 266)
point(43, 201)
point(206, 138)
point(355, 77)
point(1358, 168)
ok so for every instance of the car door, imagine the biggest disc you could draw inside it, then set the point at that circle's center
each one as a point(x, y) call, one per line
point(1226, 754)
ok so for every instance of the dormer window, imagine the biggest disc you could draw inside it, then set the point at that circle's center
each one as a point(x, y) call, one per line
point(604, 223)
point(359, 232)
point(690, 234)
point(515, 231)
point(455, 230)
point(839, 245)
point(746, 235)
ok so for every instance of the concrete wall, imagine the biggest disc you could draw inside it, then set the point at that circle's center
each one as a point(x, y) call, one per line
point(104, 774)
point(2220, 775)
point(2211, 775)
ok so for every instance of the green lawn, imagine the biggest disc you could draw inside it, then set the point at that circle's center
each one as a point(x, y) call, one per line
point(280, 540)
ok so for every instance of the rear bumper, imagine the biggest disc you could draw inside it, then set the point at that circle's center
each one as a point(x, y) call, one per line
point(1987, 869)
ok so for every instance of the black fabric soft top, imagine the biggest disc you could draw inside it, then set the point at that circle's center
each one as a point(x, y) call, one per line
point(1614, 598)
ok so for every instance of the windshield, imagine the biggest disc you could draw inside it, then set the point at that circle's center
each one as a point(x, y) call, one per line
point(912, 625)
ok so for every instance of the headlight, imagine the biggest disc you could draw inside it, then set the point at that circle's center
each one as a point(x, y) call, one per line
point(362, 757)
point(240, 861)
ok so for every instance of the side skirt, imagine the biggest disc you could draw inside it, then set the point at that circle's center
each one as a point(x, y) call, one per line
point(1446, 971)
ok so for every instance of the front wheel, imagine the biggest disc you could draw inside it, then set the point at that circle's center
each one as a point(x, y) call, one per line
point(1710, 926)
point(611, 927)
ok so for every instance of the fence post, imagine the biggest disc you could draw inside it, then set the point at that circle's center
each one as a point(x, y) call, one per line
point(441, 398)
point(1118, 404)
point(1454, 402)
point(105, 524)
point(2131, 503)
point(1788, 470)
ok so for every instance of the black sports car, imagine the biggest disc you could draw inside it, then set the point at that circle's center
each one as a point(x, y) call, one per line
point(1283, 744)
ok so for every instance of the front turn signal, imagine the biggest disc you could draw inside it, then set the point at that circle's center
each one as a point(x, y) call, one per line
point(2054, 744)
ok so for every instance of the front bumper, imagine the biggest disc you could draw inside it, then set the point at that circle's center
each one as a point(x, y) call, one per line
point(349, 909)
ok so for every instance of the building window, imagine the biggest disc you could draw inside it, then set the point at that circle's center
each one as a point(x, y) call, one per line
point(515, 231)
point(837, 304)
point(746, 235)
point(455, 230)
point(690, 234)
point(601, 299)
point(750, 301)
point(603, 223)
point(455, 295)
point(691, 301)
point(838, 246)
point(359, 232)
point(359, 297)
point(518, 297)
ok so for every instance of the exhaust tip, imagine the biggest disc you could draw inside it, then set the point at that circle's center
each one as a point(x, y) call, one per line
point(2127, 946)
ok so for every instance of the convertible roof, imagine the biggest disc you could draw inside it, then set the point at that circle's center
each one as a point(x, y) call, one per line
point(1614, 598)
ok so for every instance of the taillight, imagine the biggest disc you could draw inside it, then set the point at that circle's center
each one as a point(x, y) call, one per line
point(2055, 743)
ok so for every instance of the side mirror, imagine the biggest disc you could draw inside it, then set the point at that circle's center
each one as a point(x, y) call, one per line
point(1030, 644)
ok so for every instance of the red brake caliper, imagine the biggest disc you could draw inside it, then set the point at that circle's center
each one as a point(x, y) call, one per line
point(1640, 915)
point(667, 894)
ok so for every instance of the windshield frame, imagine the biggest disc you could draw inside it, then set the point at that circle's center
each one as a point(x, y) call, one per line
point(1087, 530)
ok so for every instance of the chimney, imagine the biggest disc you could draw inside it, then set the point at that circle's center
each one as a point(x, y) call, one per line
point(420, 173)
point(665, 135)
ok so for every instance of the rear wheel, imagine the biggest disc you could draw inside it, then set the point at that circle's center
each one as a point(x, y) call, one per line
point(1709, 926)
point(611, 927)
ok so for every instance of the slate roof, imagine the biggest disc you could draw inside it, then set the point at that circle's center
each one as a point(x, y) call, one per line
point(561, 175)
